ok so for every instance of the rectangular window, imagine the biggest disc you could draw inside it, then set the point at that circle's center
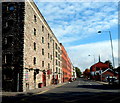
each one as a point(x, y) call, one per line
point(5, 59)
point(10, 23)
point(56, 54)
point(48, 35)
point(34, 31)
point(59, 49)
point(5, 8)
point(5, 41)
point(9, 40)
point(50, 39)
point(56, 45)
point(59, 70)
point(6, 24)
point(43, 40)
point(56, 69)
point(59, 63)
point(48, 55)
point(8, 59)
point(34, 61)
point(56, 62)
point(51, 57)
point(42, 28)
point(48, 65)
point(35, 18)
point(48, 45)
point(42, 51)
point(42, 63)
point(34, 46)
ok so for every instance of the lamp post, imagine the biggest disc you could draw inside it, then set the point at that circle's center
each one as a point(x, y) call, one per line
point(111, 46)
point(93, 73)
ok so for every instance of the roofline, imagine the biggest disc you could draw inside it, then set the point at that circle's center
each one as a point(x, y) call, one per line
point(66, 53)
point(109, 69)
point(39, 13)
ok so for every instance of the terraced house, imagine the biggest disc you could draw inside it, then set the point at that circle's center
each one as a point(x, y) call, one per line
point(31, 54)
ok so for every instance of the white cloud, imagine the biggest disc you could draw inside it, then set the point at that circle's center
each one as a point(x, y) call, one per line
point(75, 22)
point(79, 54)
point(72, 18)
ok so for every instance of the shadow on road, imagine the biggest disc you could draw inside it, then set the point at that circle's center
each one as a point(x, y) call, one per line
point(16, 98)
point(69, 97)
point(65, 97)
point(103, 87)
point(70, 93)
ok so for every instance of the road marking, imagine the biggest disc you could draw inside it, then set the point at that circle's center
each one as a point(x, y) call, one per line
point(90, 84)
point(50, 89)
point(43, 91)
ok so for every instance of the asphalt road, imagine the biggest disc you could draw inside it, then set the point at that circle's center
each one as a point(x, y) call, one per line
point(79, 91)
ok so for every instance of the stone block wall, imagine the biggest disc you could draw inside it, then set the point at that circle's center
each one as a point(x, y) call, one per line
point(36, 30)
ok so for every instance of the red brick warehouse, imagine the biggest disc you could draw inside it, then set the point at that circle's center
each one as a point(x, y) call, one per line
point(66, 65)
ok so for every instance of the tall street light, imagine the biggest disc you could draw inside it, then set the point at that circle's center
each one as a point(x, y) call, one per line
point(111, 46)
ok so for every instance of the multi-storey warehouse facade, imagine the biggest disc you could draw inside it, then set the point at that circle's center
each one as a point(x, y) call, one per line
point(31, 53)
point(67, 66)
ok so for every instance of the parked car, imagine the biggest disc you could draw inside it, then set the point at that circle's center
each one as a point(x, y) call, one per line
point(116, 81)
point(111, 79)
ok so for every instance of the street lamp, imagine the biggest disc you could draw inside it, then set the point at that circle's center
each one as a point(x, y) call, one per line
point(111, 46)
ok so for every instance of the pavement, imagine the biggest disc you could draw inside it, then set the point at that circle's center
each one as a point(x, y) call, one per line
point(33, 91)
point(102, 82)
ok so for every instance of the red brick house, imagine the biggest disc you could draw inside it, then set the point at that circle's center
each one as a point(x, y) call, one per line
point(96, 70)
point(101, 71)
point(109, 73)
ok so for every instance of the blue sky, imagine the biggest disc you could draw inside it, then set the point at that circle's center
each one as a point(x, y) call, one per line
point(75, 24)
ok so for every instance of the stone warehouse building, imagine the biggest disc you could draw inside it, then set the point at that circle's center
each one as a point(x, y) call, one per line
point(31, 54)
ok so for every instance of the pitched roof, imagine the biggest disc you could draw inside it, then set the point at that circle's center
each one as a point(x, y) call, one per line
point(100, 65)
point(109, 70)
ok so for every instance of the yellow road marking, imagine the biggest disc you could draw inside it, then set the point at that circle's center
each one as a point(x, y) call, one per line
point(49, 89)
point(43, 91)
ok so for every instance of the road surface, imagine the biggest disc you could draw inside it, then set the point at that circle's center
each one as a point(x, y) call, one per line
point(79, 91)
